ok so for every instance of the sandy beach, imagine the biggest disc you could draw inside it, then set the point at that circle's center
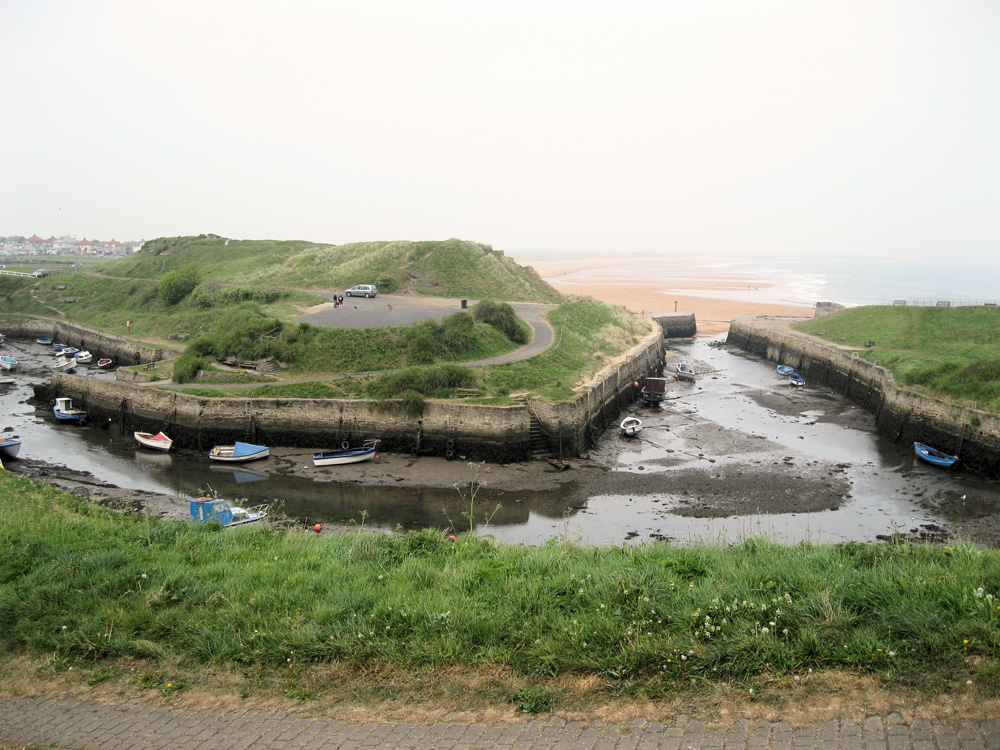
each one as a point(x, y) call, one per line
point(712, 292)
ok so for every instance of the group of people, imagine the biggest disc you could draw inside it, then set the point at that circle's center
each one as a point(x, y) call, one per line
point(338, 300)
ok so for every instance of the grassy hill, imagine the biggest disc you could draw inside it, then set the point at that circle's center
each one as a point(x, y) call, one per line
point(449, 268)
point(952, 353)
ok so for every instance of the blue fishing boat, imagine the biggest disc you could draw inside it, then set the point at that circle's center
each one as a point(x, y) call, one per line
point(796, 379)
point(43, 340)
point(8, 362)
point(207, 509)
point(238, 452)
point(65, 412)
point(785, 370)
point(9, 448)
point(934, 457)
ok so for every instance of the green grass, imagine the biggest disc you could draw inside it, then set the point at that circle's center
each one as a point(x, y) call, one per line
point(953, 353)
point(82, 582)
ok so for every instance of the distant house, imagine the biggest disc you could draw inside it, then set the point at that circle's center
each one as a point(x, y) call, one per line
point(35, 245)
point(65, 245)
point(85, 247)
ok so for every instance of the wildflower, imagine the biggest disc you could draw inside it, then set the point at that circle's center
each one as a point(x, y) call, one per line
point(380, 578)
point(785, 631)
point(144, 575)
point(968, 682)
point(772, 623)
point(645, 598)
point(275, 557)
point(170, 684)
point(63, 627)
point(892, 653)
point(765, 631)
point(979, 592)
point(683, 657)
point(965, 640)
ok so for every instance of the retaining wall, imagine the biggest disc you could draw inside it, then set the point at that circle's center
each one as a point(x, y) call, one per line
point(446, 428)
point(901, 414)
point(677, 325)
point(99, 344)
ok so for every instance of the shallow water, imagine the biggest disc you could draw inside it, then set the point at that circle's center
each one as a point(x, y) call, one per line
point(889, 490)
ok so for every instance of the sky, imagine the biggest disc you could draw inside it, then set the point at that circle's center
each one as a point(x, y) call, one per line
point(715, 128)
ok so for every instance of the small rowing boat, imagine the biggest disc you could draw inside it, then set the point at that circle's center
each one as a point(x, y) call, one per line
point(238, 452)
point(934, 457)
point(796, 379)
point(631, 426)
point(104, 363)
point(9, 448)
point(346, 455)
point(157, 442)
point(785, 370)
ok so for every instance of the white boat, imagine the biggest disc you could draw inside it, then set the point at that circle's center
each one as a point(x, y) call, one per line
point(8, 362)
point(66, 351)
point(685, 372)
point(631, 426)
point(207, 509)
point(83, 357)
point(64, 364)
point(346, 455)
point(158, 442)
point(238, 452)
point(9, 448)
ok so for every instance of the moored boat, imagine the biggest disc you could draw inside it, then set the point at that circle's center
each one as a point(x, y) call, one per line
point(43, 340)
point(65, 412)
point(8, 362)
point(796, 379)
point(685, 371)
point(207, 509)
point(84, 357)
point(104, 363)
point(238, 452)
point(345, 455)
point(654, 390)
point(934, 457)
point(785, 370)
point(66, 351)
point(157, 442)
point(9, 447)
point(631, 426)
point(64, 364)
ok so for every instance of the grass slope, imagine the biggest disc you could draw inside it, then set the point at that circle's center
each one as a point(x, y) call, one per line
point(83, 584)
point(450, 268)
point(950, 352)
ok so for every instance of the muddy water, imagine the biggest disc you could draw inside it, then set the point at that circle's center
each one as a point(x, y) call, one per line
point(738, 453)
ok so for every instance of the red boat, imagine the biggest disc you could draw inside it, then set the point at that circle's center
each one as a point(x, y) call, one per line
point(104, 364)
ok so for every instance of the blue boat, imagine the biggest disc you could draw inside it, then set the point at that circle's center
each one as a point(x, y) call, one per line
point(65, 412)
point(238, 453)
point(43, 340)
point(207, 509)
point(8, 362)
point(346, 456)
point(9, 448)
point(934, 457)
point(785, 370)
point(796, 379)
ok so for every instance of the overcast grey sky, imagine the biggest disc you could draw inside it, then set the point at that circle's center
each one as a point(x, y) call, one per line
point(710, 127)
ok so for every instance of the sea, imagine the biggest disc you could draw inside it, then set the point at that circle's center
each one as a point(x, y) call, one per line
point(805, 281)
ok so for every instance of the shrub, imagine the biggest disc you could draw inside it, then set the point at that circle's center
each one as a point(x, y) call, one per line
point(386, 284)
point(457, 332)
point(502, 317)
point(187, 366)
point(176, 285)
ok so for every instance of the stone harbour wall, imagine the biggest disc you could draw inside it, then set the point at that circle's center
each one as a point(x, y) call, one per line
point(902, 415)
point(99, 344)
point(445, 427)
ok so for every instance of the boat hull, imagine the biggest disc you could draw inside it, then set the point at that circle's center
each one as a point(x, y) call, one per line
point(157, 442)
point(934, 457)
point(346, 456)
point(631, 426)
point(238, 453)
point(9, 448)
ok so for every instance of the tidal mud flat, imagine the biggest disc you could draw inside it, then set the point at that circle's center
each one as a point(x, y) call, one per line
point(738, 453)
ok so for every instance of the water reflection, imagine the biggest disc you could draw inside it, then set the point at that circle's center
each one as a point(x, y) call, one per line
point(744, 398)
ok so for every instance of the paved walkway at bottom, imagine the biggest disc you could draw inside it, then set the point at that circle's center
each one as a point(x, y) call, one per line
point(73, 724)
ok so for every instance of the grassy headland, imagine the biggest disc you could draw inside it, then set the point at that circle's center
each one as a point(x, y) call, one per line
point(951, 353)
point(88, 586)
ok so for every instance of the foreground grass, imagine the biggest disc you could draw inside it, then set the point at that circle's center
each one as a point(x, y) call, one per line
point(78, 582)
point(950, 352)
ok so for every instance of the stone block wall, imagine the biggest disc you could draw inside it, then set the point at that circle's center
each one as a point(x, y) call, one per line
point(96, 342)
point(902, 415)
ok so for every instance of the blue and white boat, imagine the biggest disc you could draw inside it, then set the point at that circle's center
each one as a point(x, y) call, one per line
point(785, 370)
point(238, 452)
point(9, 447)
point(796, 379)
point(65, 412)
point(43, 340)
point(8, 362)
point(934, 457)
point(346, 455)
point(206, 509)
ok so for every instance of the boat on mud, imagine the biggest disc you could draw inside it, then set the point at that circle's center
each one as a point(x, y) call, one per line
point(238, 452)
point(631, 426)
point(934, 457)
point(9, 448)
point(206, 509)
point(654, 390)
point(684, 371)
point(157, 442)
point(65, 412)
point(345, 455)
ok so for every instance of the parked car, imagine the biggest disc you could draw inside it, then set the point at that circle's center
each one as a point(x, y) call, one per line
point(40, 273)
point(362, 290)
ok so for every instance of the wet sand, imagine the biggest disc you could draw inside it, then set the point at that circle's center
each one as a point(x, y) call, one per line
point(713, 294)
